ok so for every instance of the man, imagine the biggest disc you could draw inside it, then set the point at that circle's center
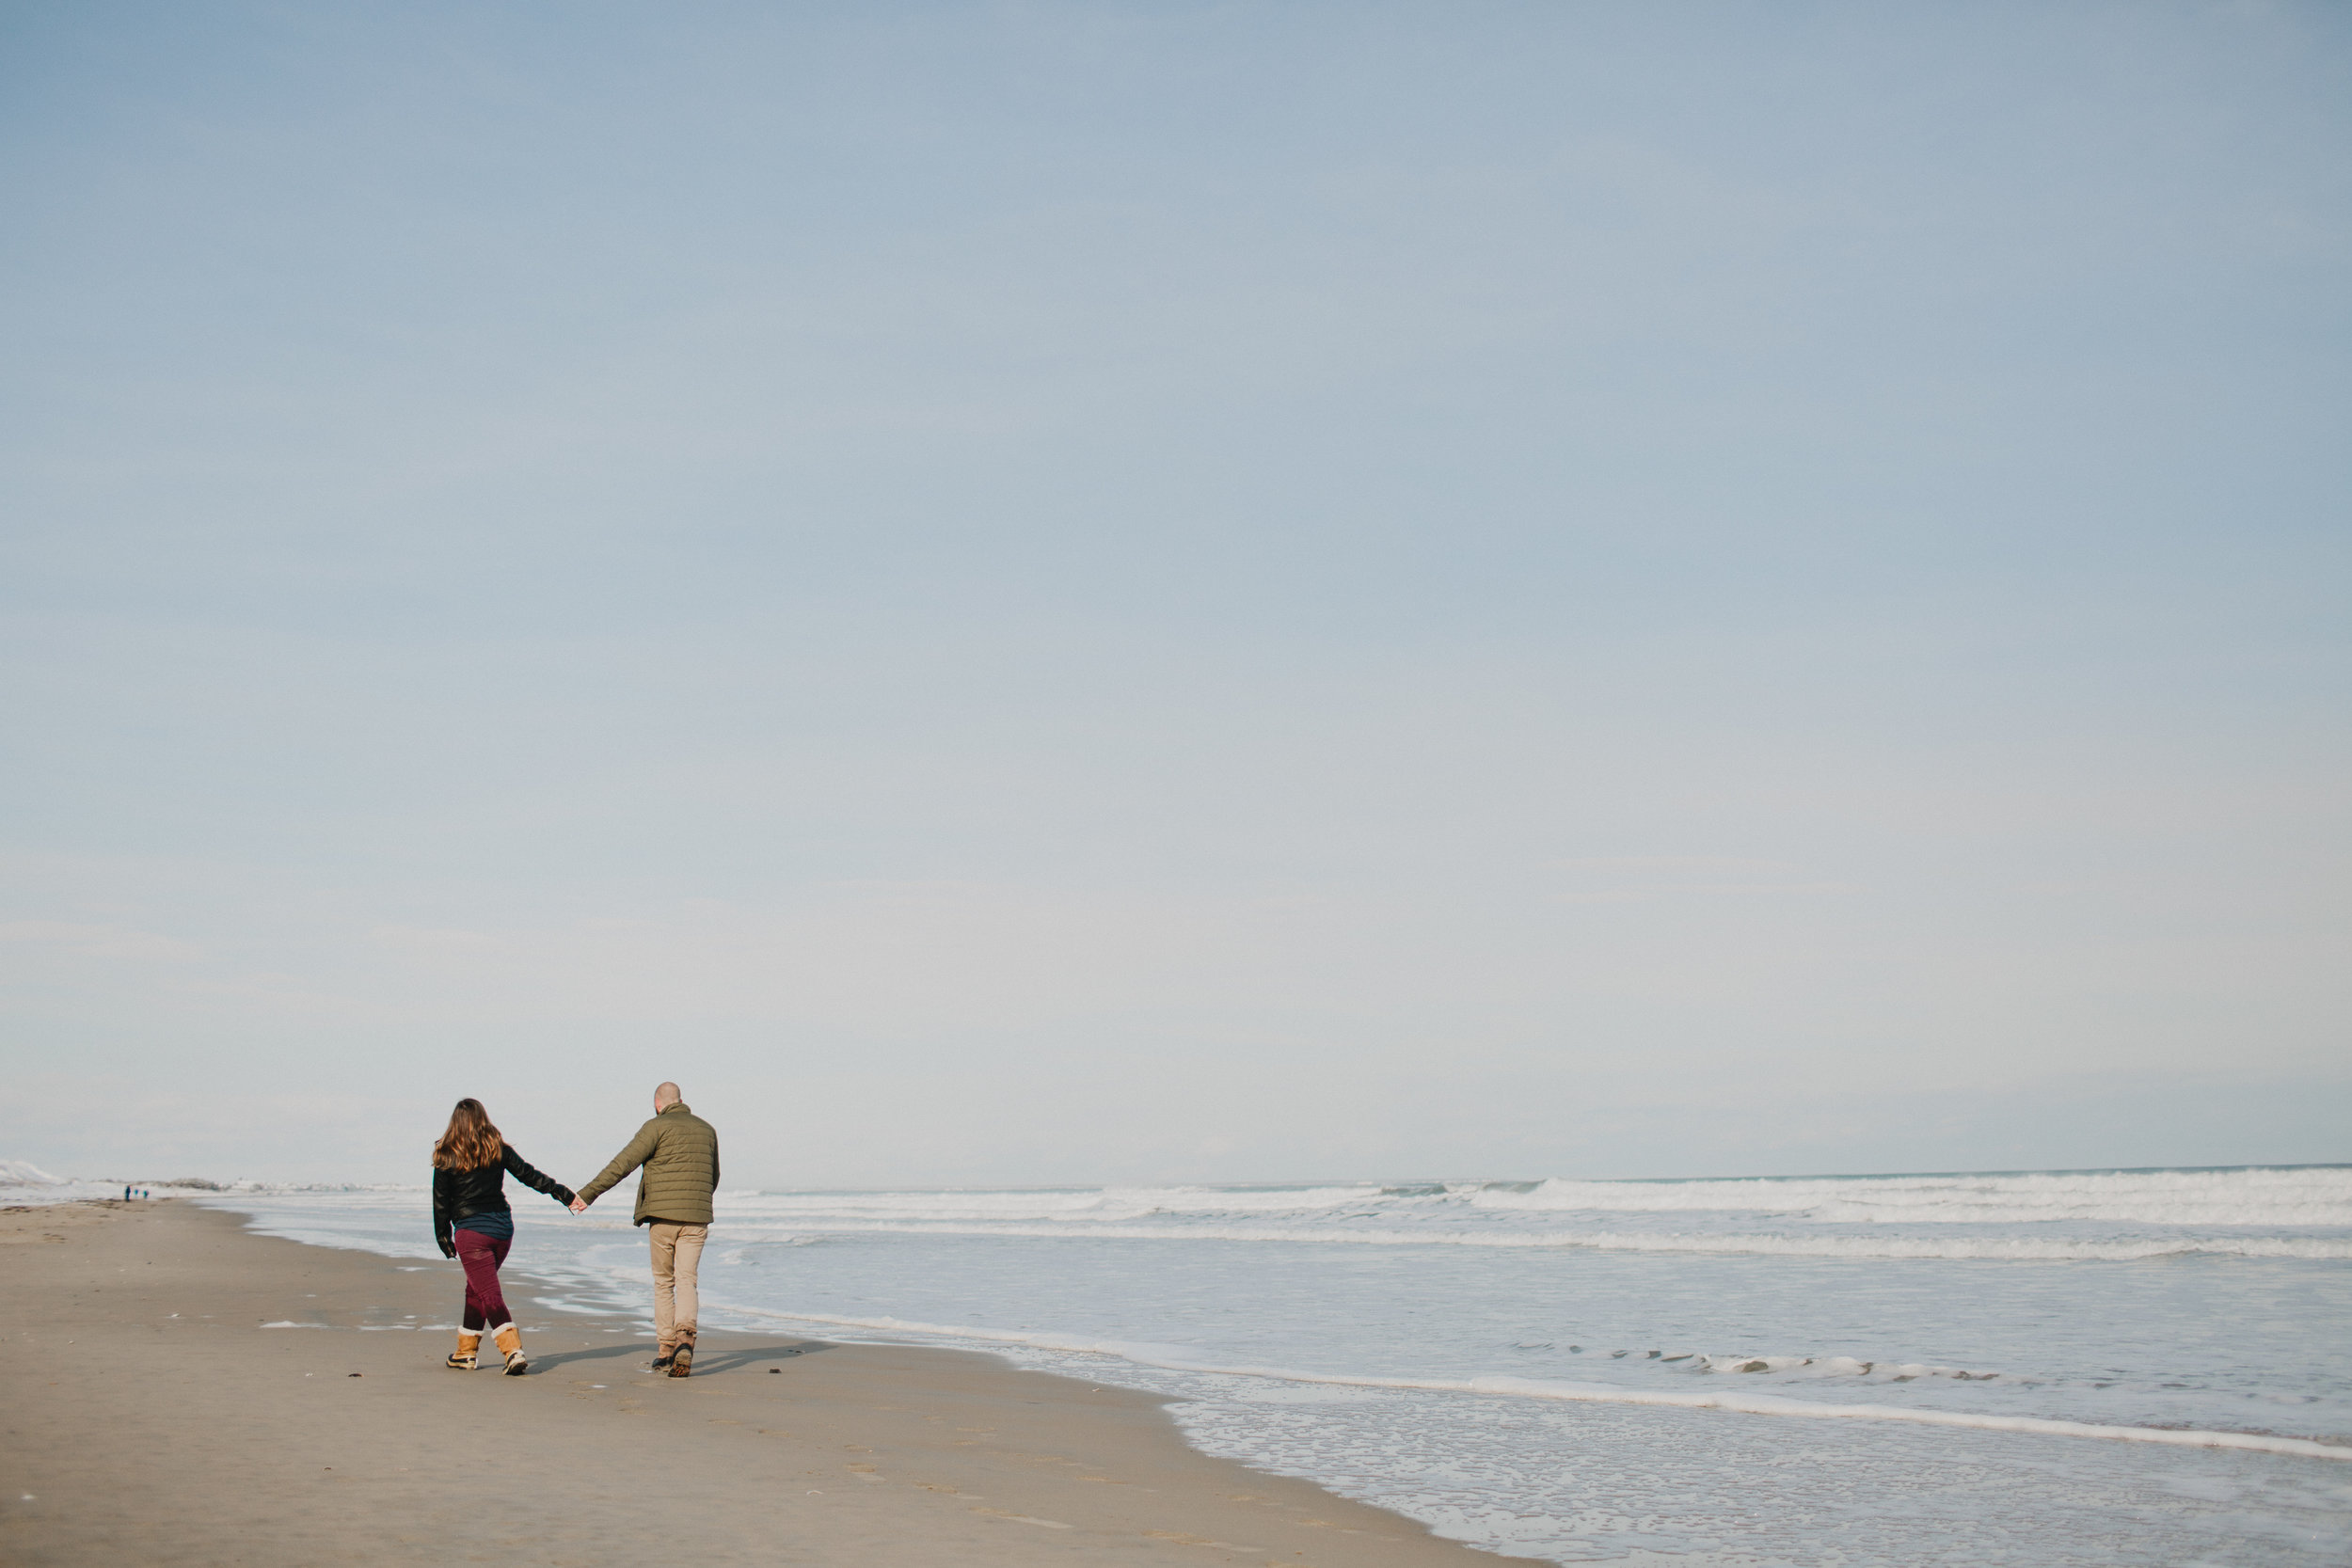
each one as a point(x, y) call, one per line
point(680, 1153)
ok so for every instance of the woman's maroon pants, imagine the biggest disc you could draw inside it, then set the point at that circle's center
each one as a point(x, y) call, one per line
point(485, 1304)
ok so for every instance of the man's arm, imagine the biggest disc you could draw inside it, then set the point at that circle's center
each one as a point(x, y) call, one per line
point(640, 1148)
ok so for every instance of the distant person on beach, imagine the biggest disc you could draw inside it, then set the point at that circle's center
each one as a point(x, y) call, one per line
point(472, 1223)
point(680, 1153)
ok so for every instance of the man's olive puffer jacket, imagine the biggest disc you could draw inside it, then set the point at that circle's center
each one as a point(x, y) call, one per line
point(680, 1153)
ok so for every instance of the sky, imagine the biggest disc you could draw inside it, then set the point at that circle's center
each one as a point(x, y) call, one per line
point(1043, 593)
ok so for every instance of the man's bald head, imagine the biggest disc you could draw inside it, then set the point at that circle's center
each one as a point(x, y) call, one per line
point(666, 1096)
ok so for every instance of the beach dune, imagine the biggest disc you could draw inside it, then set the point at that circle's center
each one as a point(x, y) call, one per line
point(159, 1411)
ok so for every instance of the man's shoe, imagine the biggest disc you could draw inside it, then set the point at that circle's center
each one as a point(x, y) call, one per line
point(661, 1363)
point(468, 1355)
point(682, 1360)
point(509, 1341)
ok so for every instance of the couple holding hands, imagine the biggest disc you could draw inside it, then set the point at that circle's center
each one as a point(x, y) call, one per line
point(472, 1223)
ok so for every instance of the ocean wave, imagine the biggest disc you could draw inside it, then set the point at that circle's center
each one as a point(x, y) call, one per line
point(1091, 1205)
point(2274, 1197)
point(2229, 1200)
point(2044, 1248)
point(2302, 1197)
point(1171, 1358)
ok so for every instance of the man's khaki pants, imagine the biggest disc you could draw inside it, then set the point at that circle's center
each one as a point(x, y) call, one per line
point(678, 1251)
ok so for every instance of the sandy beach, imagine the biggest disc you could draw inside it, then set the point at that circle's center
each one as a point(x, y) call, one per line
point(153, 1417)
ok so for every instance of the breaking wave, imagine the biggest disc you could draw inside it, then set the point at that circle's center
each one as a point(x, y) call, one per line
point(1791, 1246)
point(2288, 1212)
point(2294, 1196)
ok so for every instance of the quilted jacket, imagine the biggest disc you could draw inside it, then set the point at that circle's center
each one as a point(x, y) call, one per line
point(680, 1153)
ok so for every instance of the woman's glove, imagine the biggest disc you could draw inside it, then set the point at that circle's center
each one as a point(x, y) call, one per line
point(449, 1245)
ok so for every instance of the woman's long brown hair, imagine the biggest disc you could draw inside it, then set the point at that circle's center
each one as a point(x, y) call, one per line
point(470, 1142)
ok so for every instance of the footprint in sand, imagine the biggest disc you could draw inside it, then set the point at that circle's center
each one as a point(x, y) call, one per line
point(1023, 1518)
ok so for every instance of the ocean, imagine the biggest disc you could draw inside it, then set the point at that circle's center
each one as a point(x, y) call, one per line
point(2141, 1366)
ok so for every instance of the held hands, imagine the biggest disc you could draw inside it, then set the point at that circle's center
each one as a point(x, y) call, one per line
point(580, 1206)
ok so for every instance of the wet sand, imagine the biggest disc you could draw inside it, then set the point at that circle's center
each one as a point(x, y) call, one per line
point(150, 1418)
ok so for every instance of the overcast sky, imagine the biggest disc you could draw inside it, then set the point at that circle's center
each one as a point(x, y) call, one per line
point(1043, 593)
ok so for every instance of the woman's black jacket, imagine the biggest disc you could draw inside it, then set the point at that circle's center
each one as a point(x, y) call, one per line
point(483, 1191)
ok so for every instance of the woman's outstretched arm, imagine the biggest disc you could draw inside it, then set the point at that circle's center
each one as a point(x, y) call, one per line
point(443, 1221)
point(532, 1177)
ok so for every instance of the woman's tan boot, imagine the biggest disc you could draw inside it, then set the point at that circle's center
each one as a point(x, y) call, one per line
point(509, 1341)
point(469, 1353)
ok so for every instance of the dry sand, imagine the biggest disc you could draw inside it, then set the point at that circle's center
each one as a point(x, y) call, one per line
point(150, 1419)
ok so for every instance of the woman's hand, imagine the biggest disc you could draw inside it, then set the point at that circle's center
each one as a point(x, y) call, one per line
point(580, 1206)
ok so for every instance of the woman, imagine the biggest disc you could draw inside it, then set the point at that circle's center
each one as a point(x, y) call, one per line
point(472, 1223)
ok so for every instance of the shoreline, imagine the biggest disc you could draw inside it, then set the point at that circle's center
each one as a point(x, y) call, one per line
point(153, 1417)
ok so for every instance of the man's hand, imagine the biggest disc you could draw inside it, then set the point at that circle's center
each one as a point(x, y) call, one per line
point(580, 1206)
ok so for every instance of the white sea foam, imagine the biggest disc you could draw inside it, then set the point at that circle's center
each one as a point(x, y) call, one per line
point(2311, 1199)
point(2301, 1213)
point(2034, 1249)
point(1090, 1206)
point(2271, 1199)
point(1170, 1359)
point(2301, 1196)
